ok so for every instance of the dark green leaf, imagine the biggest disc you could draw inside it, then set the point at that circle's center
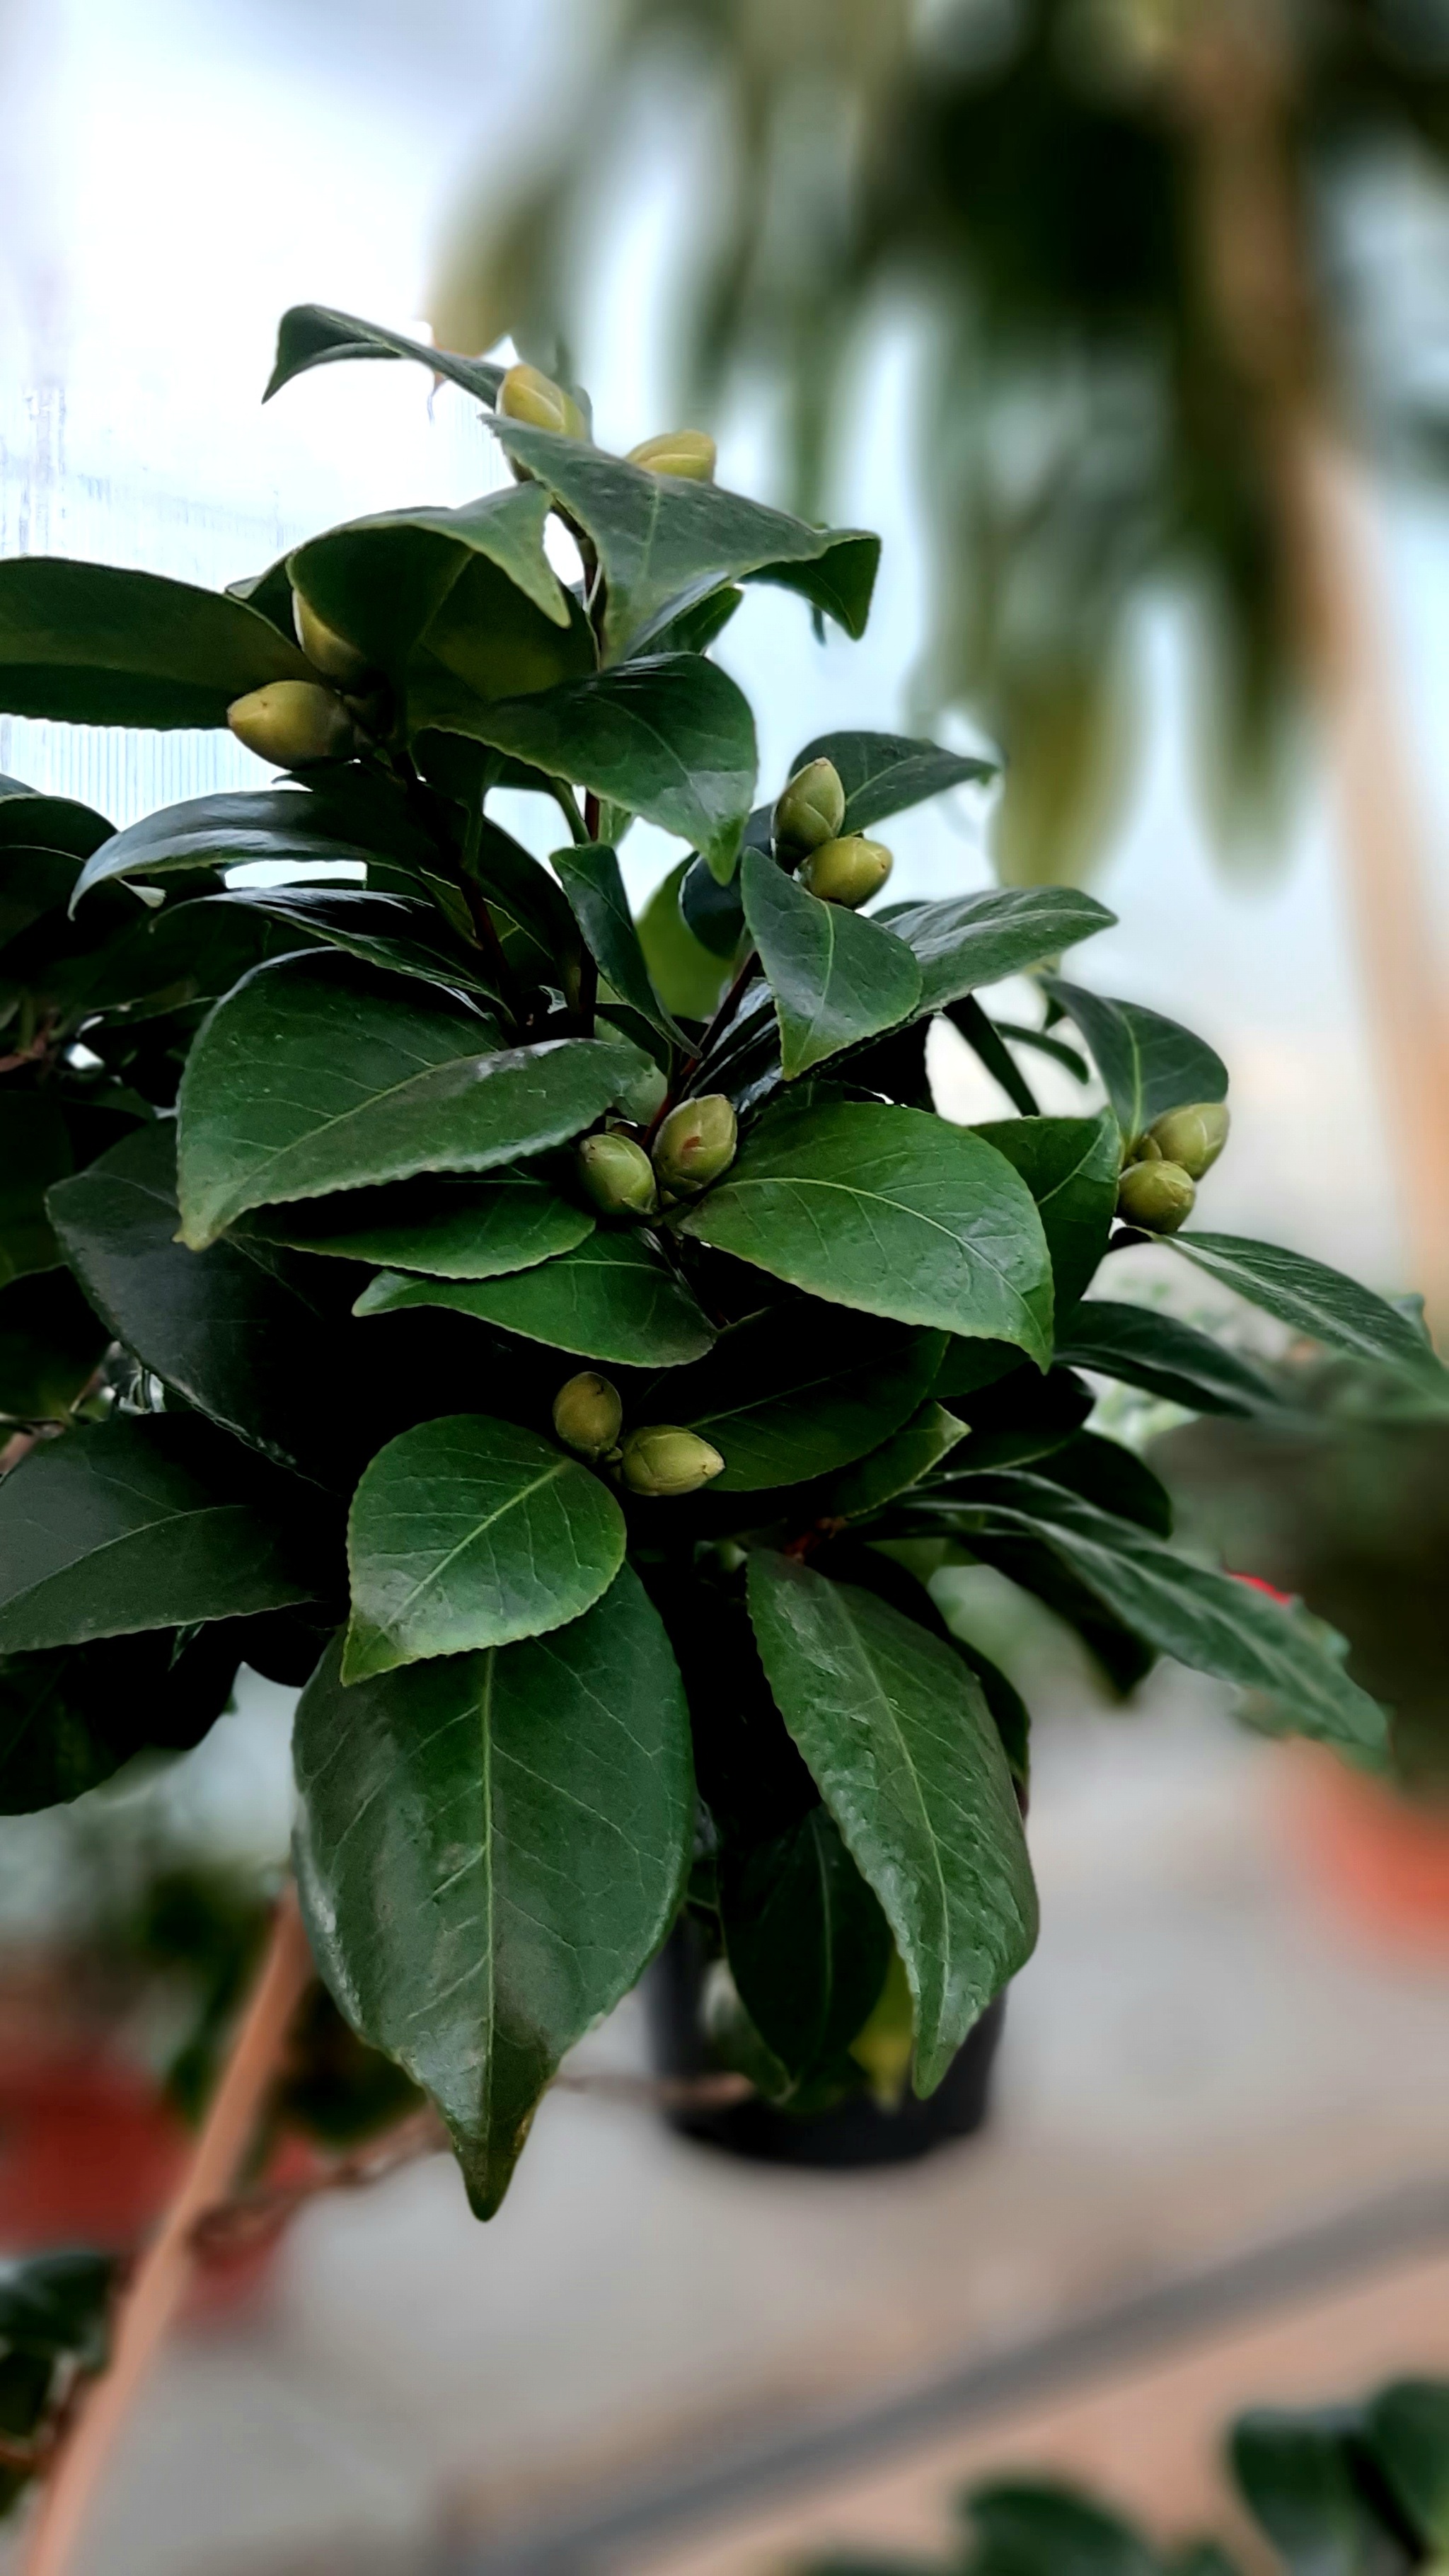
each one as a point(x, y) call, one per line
point(467, 1533)
point(903, 1749)
point(696, 628)
point(446, 1229)
point(51, 1343)
point(312, 1078)
point(1020, 1417)
point(589, 875)
point(125, 1525)
point(381, 581)
point(34, 1151)
point(1313, 1299)
point(713, 912)
point(383, 930)
point(890, 1211)
point(1103, 1472)
point(969, 1366)
point(612, 1298)
point(977, 939)
point(287, 826)
point(901, 1462)
point(1043, 2529)
point(1149, 1064)
point(799, 1391)
point(56, 2304)
point(509, 875)
point(807, 1943)
point(1146, 1348)
point(688, 977)
point(1207, 1620)
point(53, 825)
point(1296, 2476)
point(669, 737)
point(883, 773)
point(491, 1847)
point(665, 542)
point(70, 1716)
point(1070, 1167)
point(1407, 2429)
point(312, 335)
point(836, 978)
point(990, 1049)
point(93, 644)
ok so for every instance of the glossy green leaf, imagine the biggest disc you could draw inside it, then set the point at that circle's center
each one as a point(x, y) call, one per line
point(313, 335)
point(381, 581)
point(312, 1077)
point(899, 1463)
point(686, 975)
point(92, 644)
point(229, 1330)
point(663, 542)
point(446, 1229)
point(287, 826)
point(836, 977)
point(807, 1943)
point(890, 1211)
point(509, 875)
point(70, 1716)
point(696, 628)
point(904, 1752)
point(800, 1391)
point(123, 1525)
point(976, 939)
point(669, 737)
point(388, 931)
point(1070, 1166)
point(488, 640)
point(610, 1299)
point(589, 875)
point(51, 1343)
point(490, 1849)
point(1113, 1477)
point(1148, 1064)
point(1205, 1619)
point(1036, 2528)
point(713, 912)
point(1313, 1299)
point(467, 1533)
point(1296, 2474)
point(34, 1151)
point(1148, 1349)
point(1407, 2429)
point(883, 773)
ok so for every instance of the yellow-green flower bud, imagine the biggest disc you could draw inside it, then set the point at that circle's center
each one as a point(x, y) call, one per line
point(695, 1143)
point(1142, 1149)
point(690, 453)
point(587, 1414)
point(326, 650)
point(1156, 1196)
point(661, 1459)
point(290, 722)
point(617, 1175)
point(1194, 1136)
point(846, 872)
point(527, 394)
point(810, 811)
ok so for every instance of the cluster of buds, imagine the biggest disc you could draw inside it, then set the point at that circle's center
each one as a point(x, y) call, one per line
point(660, 1459)
point(527, 394)
point(694, 1145)
point(843, 868)
point(292, 723)
point(1163, 1166)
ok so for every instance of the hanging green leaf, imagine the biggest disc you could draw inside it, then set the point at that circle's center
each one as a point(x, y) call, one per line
point(883, 773)
point(799, 1391)
point(288, 826)
point(70, 1716)
point(1146, 1348)
point(312, 335)
point(890, 1211)
point(807, 1943)
point(977, 939)
point(1312, 1299)
point(836, 977)
point(1070, 1166)
point(903, 1749)
point(491, 1847)
point(34, 1151)
point(611, 1298)
point(589, 875)
point(467, 1533)
point(920, 1444)
point(1407, 2430)
point(1148, 1064)
point(92, 644)
point(380, 582)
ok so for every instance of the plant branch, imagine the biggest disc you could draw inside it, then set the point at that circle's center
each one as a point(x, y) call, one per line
point(160, 2280)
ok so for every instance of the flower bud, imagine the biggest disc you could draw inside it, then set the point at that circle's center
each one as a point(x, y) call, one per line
point(846, 872)
point(1156, 1196)
point(527, 394)
point(661, 1459)
point(695, 1143)
point(618, 1175)
point(290, 722)
point(1142, 1149)
point(810, 811)
point(689, 453)
point(1194, 1136)
point(326, 650)
point(587, 1414)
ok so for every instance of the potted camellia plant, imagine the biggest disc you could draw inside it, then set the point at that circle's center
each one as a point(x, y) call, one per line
point(559, 1343)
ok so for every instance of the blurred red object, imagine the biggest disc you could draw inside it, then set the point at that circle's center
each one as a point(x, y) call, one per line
point(1379, 1858)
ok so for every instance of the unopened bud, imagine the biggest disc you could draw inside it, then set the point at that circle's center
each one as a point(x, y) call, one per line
point(661, 1459)
point(326, 650)
point(1142, 1149)
point(846, 872)
point(1194, 1136)
point(1156, 1196)
point(690, 453)
point(291, 722)
point(587, 1414)
point(527, 394)
point(695, 1143)
point(810, 811)
point(618, 1175)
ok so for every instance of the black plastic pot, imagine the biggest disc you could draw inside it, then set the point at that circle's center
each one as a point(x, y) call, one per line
point(855, 2133)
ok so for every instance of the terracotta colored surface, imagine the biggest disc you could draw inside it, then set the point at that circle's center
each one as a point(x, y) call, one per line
point(1380, 1862)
